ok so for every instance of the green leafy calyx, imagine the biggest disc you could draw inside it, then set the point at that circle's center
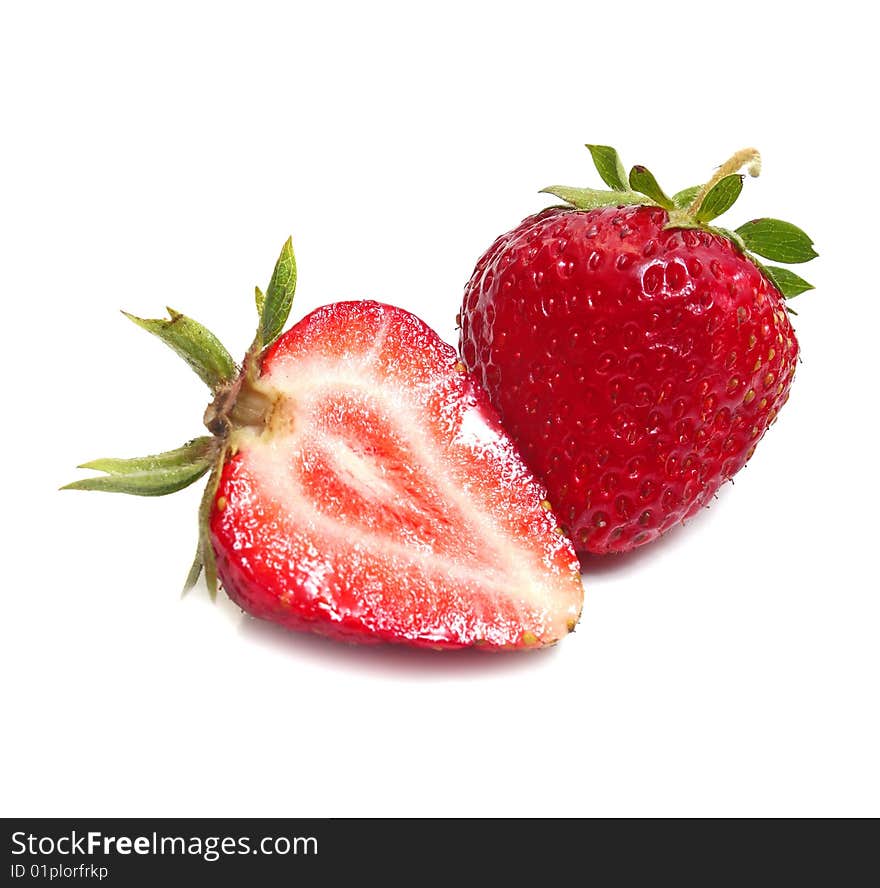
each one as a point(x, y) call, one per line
point(699, 205)
point(720, 198)
point(591, 198)
point(642, 180)
point(197, 345)
point(787, 282)
point(155, 475)
point(274, 307)
point(777, 240)
point(609, 166)
point(238, 401)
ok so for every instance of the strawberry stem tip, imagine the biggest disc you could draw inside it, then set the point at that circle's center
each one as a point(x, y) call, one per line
point(750, 158)
point(699, 205)
point(236, 404)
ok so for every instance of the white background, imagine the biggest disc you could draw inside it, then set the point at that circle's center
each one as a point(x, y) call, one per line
point(160, 154)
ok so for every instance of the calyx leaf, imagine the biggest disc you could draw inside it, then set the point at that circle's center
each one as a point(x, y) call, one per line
point(155, 475)
point(685, 197)
point(721, 197)
point(279, 296)
point(165, 473)
point(641, 179)
point(591, 198)
point(777, 240)
point(697, 206)
point(204, 558)
point(197, 345)
point(787, 282)
point(610, 168)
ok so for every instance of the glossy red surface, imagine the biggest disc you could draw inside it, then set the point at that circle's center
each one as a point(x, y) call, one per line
point(383, 501)
point(635, 367)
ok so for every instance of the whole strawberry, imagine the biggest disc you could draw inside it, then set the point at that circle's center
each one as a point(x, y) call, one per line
point(635, 351)
point(361, 485)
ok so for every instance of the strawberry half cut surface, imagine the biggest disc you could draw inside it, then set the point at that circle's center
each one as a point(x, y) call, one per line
point(363, 488)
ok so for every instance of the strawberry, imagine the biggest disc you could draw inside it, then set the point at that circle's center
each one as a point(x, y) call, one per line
point(361, 485)
point(636, 352)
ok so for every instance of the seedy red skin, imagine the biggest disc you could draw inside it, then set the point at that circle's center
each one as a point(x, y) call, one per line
point(636, 368)
point(276, 557)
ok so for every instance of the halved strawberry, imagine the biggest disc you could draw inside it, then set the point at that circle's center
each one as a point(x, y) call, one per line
point(363, 487)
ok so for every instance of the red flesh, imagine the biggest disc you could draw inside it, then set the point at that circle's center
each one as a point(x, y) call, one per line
point(383, 500)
